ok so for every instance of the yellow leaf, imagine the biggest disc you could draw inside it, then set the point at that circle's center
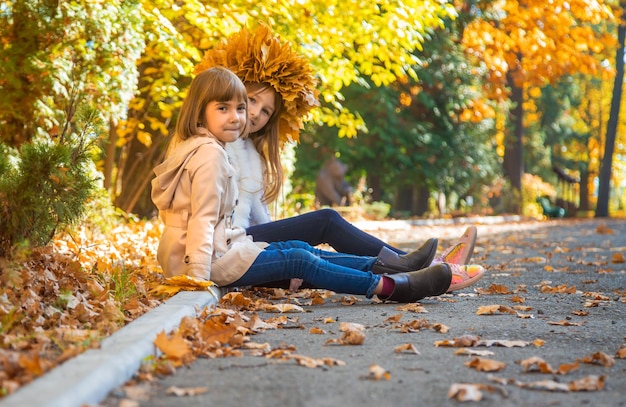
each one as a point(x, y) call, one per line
point(175, 348)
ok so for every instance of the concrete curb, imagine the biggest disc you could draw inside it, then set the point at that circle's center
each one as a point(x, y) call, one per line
point(89, 377)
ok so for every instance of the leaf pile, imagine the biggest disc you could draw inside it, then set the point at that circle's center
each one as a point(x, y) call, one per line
point(60, 300)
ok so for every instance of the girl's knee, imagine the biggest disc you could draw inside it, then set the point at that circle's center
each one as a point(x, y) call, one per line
point(330, 214)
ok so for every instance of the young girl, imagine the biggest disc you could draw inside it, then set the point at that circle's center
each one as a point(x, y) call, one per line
point(277, 104)
point(195, 190)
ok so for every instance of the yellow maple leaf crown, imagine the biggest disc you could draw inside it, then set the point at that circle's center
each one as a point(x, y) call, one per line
point(260, 57)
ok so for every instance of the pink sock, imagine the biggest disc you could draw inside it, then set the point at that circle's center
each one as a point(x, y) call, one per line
point(388, 286)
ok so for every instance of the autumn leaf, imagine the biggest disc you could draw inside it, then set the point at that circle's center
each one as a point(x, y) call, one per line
point(175, 348)
point(472, 391)
point(493, 309)
point(183, 282)
point(215, 329)
point(465, 392)
point(186, 391)
point(235, 298)
point(406, 348)
point(282, 308)
point(560, 289)
point(413, 307)
point(473, 352)
point(377, 373)
point(539, 343)
point(394, 318)
point(599, 358)
point(617, 258)
point(485, 365)
point(310, 362)
point(494, 289)
point(565, 323)
point(602, 229)
point(502, 342)
point(352, 334)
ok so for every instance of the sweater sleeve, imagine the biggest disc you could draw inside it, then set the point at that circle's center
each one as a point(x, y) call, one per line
point(209, 177)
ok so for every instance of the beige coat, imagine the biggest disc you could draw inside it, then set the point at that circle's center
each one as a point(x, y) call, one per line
point(195, 191)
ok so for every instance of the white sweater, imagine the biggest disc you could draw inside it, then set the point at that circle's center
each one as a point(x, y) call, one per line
point(250, 209)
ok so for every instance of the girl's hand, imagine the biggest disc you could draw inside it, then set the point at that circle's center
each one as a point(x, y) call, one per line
point(294, 284)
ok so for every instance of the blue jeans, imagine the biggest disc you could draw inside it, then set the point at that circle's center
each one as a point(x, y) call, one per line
point(322, 226)
point(339, 272)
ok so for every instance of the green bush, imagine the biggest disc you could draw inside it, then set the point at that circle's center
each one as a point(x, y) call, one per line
point(43, 187)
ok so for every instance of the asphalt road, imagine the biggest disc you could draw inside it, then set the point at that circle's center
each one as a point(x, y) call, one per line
point(564, 280)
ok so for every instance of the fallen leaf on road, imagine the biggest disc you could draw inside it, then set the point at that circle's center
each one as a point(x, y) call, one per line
point(406, 348)
point(560, 289)
point(465, 392)
point(516, 298)
point(236, 298)
point(282, 308)
point(413, 307)
point(175, 348)
point(352, 334)
point(604, 230)
point(473, 352)
point(308, 361)
point(394, 318)
point(599, 358)
point(502, 342)
point(537, 364)
point(539, 342)
point(377, 373)
point(493, 309)
point(617, 258)
point(466, 341)
point(565, 323)
point(494, 289)
point(621, 353)
point(186, 391)
point(472, 392)
point(589, 383)
point(485, 365)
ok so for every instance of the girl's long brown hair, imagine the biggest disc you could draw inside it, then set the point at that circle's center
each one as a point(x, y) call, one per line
point(267, 143)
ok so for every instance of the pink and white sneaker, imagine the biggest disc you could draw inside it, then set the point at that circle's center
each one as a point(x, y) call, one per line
point(464, 275)
point(461, 251)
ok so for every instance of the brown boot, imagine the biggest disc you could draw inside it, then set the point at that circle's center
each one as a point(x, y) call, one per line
point(415, 285)
point(391, 262)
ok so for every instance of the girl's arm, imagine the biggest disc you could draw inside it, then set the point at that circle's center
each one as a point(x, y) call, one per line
point(209, 177)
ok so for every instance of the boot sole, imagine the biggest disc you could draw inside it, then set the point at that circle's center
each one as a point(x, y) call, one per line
point(468, 242)
point(466, 283)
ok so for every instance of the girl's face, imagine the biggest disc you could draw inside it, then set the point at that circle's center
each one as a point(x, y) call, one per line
point(261, 106)
point(226, 120)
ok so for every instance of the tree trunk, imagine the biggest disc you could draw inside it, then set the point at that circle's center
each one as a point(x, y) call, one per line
point(602, 210)
point(422, 194)
point(109, 156)
point(373, 182)
point(583, 193)
point(404, 199)
point(513, 164)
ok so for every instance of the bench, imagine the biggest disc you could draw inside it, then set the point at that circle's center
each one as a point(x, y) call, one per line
point(549, 210)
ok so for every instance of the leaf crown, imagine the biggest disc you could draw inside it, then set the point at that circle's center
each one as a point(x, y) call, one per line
point(261, 57)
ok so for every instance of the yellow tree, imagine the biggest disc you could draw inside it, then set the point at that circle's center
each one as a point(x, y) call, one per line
point(530, 43)
point(345, 40)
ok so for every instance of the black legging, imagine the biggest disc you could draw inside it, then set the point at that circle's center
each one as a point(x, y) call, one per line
point(317, 227)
